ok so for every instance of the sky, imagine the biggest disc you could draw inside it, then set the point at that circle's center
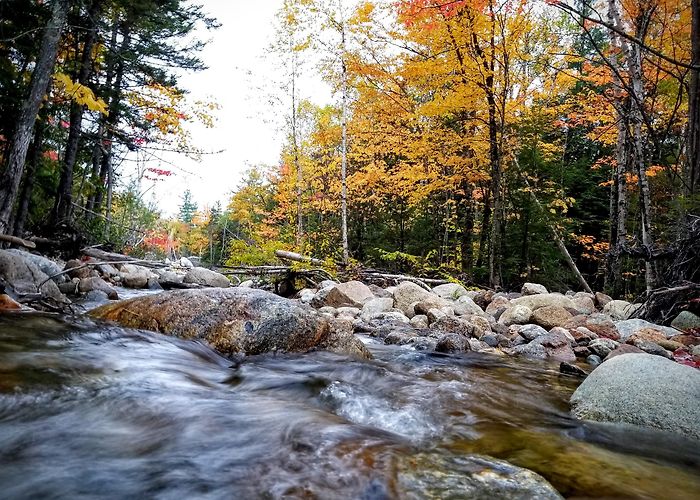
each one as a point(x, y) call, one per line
point(241, 79)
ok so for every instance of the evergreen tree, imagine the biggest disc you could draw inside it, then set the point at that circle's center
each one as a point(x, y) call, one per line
point(188, 208)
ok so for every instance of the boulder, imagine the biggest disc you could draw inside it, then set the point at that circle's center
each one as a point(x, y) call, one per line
point(628, 327)
point(544, 299)
point(601, 299)
point(600, 324)
point(515, 315)
point(451, 291)
point(206, 277)
point(584, 304)
point(375, 306)
point(107, 270)
point(644, 390)
point(434, 315)
point(533, 289)
point(686, 321)
point(186, 263)
point(165, 276)
point(407, 294)
point(550, 316)
point(94, 283)
point(23, 277)
point(8, 304)
point(133, 276)
point(47, 266)
point(235, 320)
point(653, 348)
point(419, 321)
point(620, 309)
point(496, 304)
point(465, 306)
point(451, 324)
point(553, 345)
point(73, 266)
point(531, 332)
point(351, 293)
point(379, 291)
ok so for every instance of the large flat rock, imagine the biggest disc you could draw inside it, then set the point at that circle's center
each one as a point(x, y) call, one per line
point(235, 320)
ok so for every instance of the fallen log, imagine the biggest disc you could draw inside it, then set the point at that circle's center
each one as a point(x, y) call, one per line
point(297, 257)
point(117, 258)
point(14, 240)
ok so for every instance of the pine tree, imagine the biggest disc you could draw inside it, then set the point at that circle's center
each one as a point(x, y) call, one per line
point(188, 208)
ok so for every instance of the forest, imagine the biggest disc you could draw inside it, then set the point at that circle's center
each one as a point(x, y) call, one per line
point(494, 142)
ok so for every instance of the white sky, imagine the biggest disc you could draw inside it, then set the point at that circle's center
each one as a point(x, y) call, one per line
point(241, 79)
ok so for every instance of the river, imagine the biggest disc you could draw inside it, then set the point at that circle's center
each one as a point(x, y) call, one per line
point(90, 410)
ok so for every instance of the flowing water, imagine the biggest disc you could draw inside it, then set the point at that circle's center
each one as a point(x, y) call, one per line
point(89, 410)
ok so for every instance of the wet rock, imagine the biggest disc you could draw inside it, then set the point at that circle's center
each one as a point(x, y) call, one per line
point(133, 276)
point(452, 342)
point(491, 340)
point(235, 320)
point(582, 351)
point(482, 325)
point(94, 283)
point(644, 390)
point(602, 346)
point(515, 315)
point(475, 477)
point(400, 337)
point(8, 304)
point(550, 316)
point(23, 277)
point(533, 289)
point(594, 360)
point(556, 346)
point(531, 332)
point(69, 287)
point(206, 277)
point(686, 321)
point(534, 302)
point(620, 309)
point(629, 327)
point(451, 291)
point(570, 369)
point(453, 325)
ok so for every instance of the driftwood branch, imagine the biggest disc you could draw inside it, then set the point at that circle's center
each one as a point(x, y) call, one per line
point(297, 257)
point(118, 258)
point(14, 240)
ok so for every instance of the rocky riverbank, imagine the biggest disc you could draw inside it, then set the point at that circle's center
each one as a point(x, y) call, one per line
point(578, 331)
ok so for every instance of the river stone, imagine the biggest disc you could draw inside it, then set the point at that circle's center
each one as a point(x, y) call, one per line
point(235, 320)
point(544, 299)
point(496, 304)
point(553, 345)
point(452, 342)
point(628, 327)
point(600, 324)
point(393, 316)
point(644, 390)
point(465, 306)
point(686, 321)
point(419, 321)
point(94, 283)
point(620, 309)
point(376, 306)
point(515, 315)
point(533, 289)
point(584, 304)
point(206, 277)
point(476, 477)
point(8, 304)
point(23, 276)
point(75, 269)
point(531, 332)
point(166, 276)
point(453, 324)
point(653, 348)
point(133, 276)
point(602, 346)
point(407, 294)
point(434, 314)
point(47, 266)
point(351, 293)
point(623, 349)
point(451, 291)
point(550, 316)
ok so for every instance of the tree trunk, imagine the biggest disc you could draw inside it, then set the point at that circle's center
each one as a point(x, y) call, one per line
point(344, 153)
point(30, 170)
point(64, 197)
point(692, 177)
point(12, 175)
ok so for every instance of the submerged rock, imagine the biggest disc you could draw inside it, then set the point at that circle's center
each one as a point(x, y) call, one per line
point(642, 389)
point(235, 320)
point(476, 477)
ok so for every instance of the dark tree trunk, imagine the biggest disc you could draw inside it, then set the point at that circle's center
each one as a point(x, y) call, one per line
point(693, 147)
point(12, 175)
point(30, 169)
point(64, 196)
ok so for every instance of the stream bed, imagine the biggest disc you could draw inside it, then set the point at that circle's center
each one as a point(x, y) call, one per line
point(93, 410)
